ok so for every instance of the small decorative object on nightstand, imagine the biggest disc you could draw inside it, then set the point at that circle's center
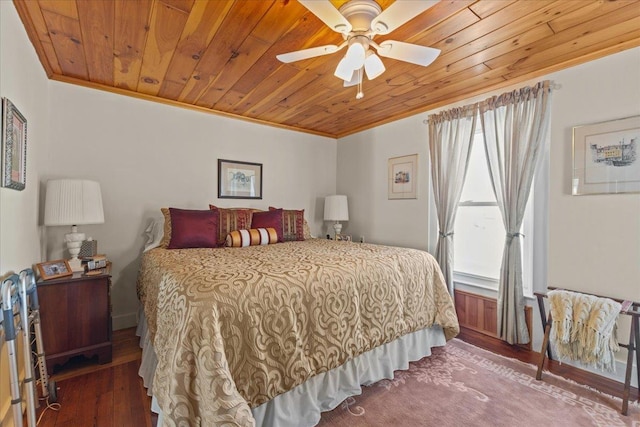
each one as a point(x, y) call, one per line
point(343, 237)
point(75, 314)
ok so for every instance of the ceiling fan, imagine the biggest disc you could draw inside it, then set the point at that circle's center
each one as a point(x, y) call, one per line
point(359, 21)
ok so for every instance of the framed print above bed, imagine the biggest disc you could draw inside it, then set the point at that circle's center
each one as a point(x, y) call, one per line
point(403, 175)
point(239, 180)
point(14, 147)
point(605, 157)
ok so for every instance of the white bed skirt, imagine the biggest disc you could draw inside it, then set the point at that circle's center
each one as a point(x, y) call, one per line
point(303, 405)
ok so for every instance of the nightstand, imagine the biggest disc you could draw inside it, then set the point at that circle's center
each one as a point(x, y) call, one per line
point(75, 314)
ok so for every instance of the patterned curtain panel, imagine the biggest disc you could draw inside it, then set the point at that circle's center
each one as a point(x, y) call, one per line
point(515, 127)
point(450, 136)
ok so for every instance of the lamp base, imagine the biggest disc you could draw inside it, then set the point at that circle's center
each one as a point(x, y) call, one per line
point(74, 242)
point(338, 228)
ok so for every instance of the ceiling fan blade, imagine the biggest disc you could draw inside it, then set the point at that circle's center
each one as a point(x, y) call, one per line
point(328, 14)
point(416, 54)
point(398, 13)
point(312, 52)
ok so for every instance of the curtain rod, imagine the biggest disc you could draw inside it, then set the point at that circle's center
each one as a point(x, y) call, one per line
point(552, 85)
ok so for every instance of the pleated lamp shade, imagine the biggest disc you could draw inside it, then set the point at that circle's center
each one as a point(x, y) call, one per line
point(336, 208)
point(73, 202)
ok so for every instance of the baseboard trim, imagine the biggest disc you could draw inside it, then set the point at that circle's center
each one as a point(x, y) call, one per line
point(124, 321)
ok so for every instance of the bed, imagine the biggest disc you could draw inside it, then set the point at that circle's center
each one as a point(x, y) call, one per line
point(275, 334)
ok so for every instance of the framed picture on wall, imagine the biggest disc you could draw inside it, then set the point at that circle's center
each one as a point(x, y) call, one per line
point(606, 157)
point(14, 147)
point(239, 180)
point(403, 176)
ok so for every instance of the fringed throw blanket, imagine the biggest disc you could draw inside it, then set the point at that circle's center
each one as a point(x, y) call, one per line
point(584, 328)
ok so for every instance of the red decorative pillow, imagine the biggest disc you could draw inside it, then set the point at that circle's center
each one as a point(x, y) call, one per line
point(193, 229)
point(231, 219)
point(292, 224)
point(269, 219)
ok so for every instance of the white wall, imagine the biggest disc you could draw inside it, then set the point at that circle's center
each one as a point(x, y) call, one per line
point(594, 241)
point(362, 176)
point(23, 81)
point(148, 155)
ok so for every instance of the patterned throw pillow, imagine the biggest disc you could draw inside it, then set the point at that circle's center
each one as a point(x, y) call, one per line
point(231, 219)
point(269, 219)
point(193, 229)
point(167, 228)
point(292, 224)
point(252, 237)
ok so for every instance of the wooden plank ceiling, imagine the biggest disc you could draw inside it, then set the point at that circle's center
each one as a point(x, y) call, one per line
point(220, 56)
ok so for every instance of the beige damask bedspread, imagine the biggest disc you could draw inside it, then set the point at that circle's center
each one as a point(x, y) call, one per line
point(235, 327)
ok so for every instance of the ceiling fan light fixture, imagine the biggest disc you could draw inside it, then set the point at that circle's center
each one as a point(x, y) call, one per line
point(355, 79)
point(373, 65)
point(355, 55)
point(344, 70)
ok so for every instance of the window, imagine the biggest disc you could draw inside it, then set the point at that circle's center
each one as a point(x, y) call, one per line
point(479, 232)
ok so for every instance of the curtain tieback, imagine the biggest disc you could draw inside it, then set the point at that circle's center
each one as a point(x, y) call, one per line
point(511, 236)
point(444, 235)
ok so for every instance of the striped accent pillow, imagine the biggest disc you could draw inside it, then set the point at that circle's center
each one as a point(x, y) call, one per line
point(252, 237)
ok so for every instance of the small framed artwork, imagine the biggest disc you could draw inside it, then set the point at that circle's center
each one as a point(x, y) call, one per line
point(239, 180)
point(54, 269)
point(403, 175)
point(14, 147)
point(605, 157)
point(343, 237)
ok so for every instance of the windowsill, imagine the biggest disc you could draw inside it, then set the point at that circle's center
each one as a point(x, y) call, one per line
point(486, 285)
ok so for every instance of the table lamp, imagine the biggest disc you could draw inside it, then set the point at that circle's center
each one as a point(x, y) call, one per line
point(73, 202)
point(336, 209)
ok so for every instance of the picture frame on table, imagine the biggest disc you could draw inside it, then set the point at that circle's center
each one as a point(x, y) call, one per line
point(14, 147)
point(239, 180)
point(54, 269)
point(343, 237)
point(606, 157)
point(403, 177)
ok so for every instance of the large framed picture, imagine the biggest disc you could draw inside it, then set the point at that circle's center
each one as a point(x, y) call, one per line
point(605, 157)
point(54, 269)
point(239, 180)
point(14, 147)
point(403, 177)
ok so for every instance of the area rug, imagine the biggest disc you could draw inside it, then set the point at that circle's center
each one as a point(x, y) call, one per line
point(462, 385)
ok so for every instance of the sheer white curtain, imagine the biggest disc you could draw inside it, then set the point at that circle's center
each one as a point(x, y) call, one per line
point(450, 136)
point(515, 126)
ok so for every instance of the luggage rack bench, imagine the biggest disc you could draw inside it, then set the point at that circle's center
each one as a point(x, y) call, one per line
point(633, 310)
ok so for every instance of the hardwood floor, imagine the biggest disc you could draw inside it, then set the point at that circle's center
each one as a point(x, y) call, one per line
point(102, 395)
point(113, 394)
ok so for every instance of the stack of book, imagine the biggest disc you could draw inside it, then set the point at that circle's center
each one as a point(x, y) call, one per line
point(96, 264)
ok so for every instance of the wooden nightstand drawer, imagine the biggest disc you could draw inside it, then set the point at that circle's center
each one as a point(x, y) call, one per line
point(76, 318)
